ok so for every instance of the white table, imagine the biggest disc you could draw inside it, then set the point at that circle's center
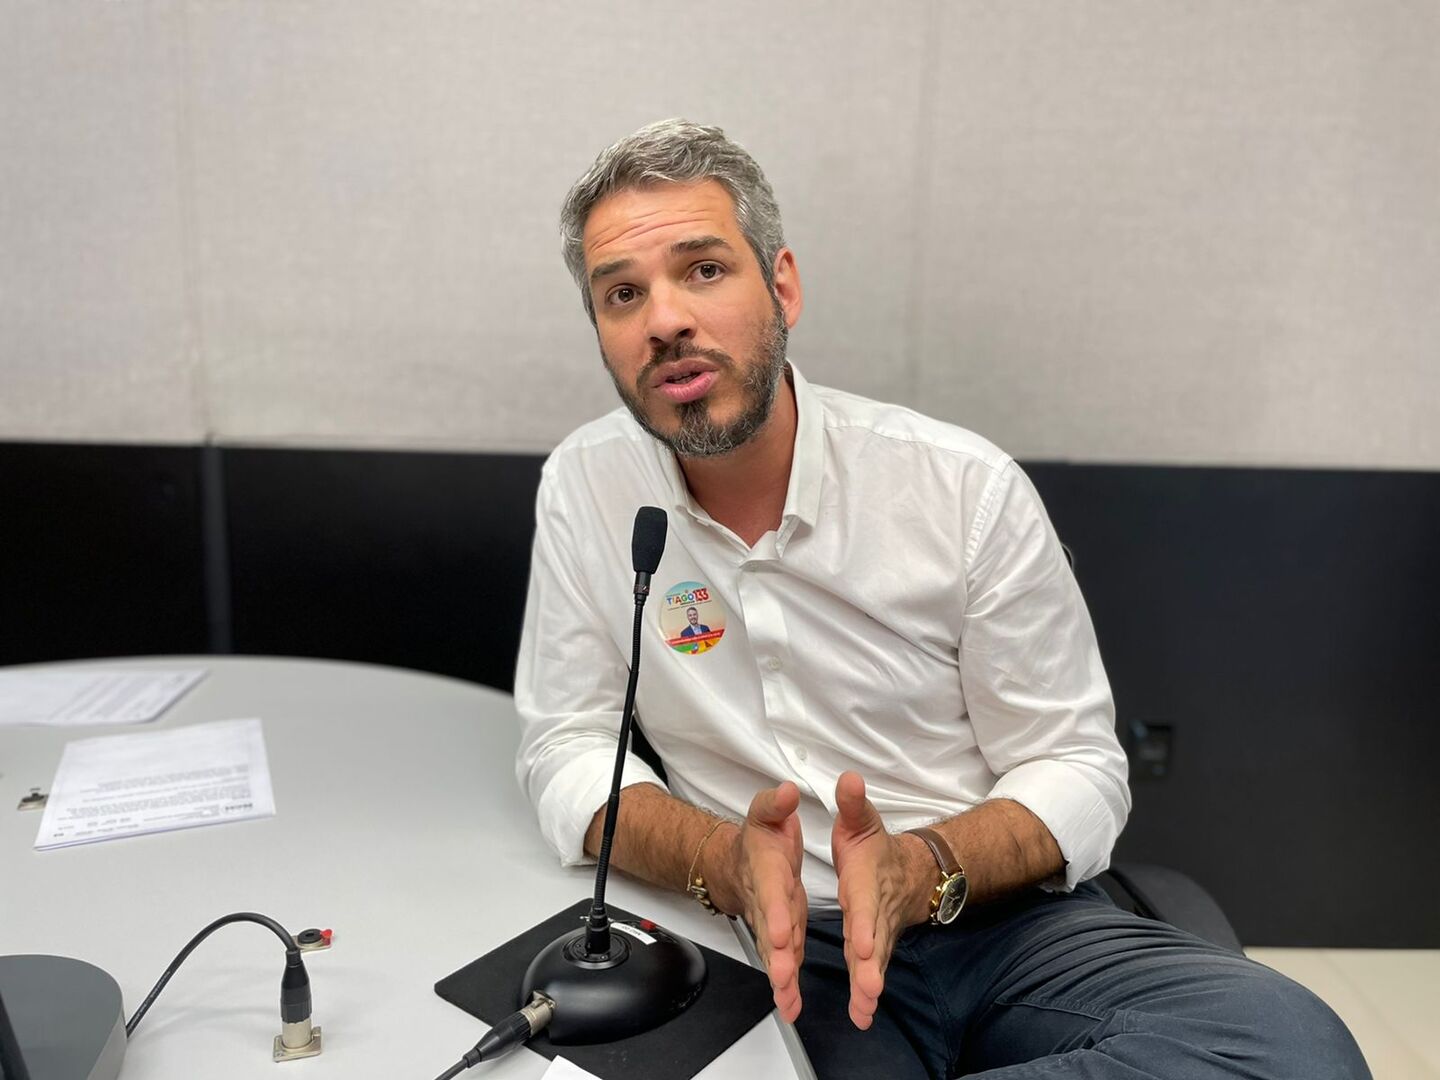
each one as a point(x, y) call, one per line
point(399, 824)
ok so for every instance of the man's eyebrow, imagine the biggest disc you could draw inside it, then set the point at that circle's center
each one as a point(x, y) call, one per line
point(605, 269)
point(699, 243)
point(682, 247)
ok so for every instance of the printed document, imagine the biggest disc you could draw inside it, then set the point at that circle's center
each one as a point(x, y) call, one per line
point(565, 1069)
point(76, 698)
point(130, 785)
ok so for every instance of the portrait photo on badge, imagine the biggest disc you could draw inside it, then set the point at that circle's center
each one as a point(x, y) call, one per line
point(691, 619)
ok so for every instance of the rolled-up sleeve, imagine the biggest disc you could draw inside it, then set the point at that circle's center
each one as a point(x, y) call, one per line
point(1036, 691)
point(569, 688)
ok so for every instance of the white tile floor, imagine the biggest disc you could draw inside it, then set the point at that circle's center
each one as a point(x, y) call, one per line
point(1389, 998)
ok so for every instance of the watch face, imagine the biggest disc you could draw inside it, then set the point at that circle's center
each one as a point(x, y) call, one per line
point(952, 899)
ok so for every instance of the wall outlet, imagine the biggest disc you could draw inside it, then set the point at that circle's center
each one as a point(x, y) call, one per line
point(1151, 747)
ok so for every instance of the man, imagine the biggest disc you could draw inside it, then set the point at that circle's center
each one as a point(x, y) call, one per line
point(905, 647)
point(695, 626)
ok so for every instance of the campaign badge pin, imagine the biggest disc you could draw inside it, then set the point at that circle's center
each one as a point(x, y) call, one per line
point(691, 619)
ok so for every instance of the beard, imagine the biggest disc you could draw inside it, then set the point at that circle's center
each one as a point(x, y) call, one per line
point(699, 435)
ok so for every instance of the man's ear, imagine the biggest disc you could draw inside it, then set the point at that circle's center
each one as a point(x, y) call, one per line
point(787, 286)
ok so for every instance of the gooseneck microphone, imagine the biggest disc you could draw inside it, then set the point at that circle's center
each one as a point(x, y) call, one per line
point(608, 985)
point(647, 545)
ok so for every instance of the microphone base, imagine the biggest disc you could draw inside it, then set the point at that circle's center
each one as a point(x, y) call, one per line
point(648, 976)
point(67, 1017)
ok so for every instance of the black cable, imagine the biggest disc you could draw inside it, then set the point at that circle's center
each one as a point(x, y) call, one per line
point(292, 956)
point(517, 1028)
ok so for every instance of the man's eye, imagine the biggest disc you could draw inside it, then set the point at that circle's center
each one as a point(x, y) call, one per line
point(709, 270)
point(622, 294)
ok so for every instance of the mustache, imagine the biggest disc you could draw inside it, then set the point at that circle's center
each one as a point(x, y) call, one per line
point(680, 350)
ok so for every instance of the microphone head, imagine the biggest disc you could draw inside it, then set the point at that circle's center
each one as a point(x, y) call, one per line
point(647, 543)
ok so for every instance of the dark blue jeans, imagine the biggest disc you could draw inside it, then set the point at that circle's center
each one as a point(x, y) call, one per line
point(1067, 986)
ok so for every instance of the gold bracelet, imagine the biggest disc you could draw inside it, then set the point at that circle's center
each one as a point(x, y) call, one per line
point(695, 883)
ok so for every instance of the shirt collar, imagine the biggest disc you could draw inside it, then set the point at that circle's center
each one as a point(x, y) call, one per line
point(679, 492)
point(807, 466)
point(802, 496)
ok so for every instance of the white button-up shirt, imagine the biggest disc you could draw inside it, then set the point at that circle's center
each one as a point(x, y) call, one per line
point(913, 618)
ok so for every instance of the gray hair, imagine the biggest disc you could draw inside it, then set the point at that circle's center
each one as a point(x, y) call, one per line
point(674, 151)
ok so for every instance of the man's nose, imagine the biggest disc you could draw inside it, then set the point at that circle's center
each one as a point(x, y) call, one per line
point(668, 317)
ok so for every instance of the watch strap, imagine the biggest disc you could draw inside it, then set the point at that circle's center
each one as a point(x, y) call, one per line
point(940, 848)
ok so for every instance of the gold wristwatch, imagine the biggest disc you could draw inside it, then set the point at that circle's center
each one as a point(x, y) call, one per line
point(949, 896)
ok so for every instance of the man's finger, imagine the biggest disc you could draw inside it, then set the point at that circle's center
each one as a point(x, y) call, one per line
point(861, 921)
point(884, 942)
point(787, 1001)
point(861, 1015)
point(780, 966)
point(773, 806)
point(773, 898)
point(867, 981)
point(866, 985)
point(799, 921)
point(857, 814)
point(860, 910)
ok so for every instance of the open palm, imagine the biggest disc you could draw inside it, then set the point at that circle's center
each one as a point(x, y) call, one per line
point(873, 893)
point(771, 852)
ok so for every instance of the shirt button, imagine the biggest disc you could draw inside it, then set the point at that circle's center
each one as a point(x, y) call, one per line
point(774, 663)
point(802, 753)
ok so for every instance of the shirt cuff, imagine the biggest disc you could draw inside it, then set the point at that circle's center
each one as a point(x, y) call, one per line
point(1067, 799)
point(576, 792)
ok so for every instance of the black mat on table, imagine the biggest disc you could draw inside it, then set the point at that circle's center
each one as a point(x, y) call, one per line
point(736, 997)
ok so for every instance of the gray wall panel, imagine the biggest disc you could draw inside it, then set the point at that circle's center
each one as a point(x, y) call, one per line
point(379, 189)
point(94, 339)
point(1116, 231)
point(1189, 233)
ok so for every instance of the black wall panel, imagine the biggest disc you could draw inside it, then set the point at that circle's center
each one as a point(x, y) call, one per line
point(413, 559)
point(100, 551)
point(1285, 625)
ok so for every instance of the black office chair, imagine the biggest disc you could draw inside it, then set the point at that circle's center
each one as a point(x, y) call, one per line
point(1158, 892)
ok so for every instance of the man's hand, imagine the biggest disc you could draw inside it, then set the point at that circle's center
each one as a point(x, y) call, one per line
point(760, 879)
point(882, 891)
